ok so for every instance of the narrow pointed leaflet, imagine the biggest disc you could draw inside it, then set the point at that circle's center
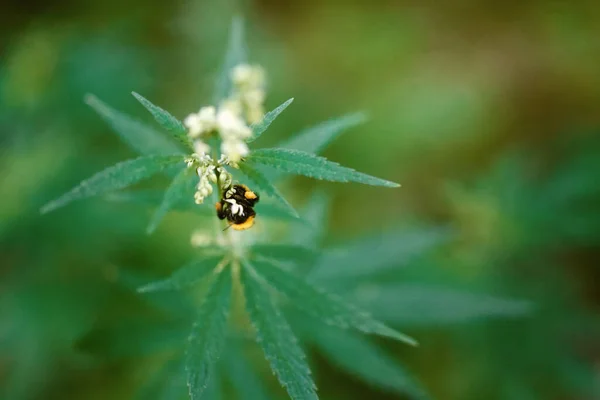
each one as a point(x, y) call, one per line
point(188, 275)
point(260, 127)
point(208, 335)
point(174, 126)
point(301, 163)
point(266, 186)
point(181, 186)
point(327, 307)
point(277, 340)
point(139, 136)
point(119, 176)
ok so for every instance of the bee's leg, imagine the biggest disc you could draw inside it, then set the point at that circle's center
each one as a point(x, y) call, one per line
point(220, 210)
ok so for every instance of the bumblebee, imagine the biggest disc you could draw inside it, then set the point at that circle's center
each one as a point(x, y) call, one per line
point(237, 207)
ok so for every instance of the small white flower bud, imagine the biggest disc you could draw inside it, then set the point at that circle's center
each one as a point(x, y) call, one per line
point(223, 160)
point(223, 173)
point(231, 126)
point(234, 149)
point(241, 74)
point(255, 97)
point(206, 159)
point(207, 115)
point(204, 187)
point(210, 189)
point(201, 239)
point(255, 114)
point(200, 147)
point(198, 198)
point(204, 192)
point(210, 174)
point(226, 181)
point(245, 75)
point(202, 122)
point(233, 105)
point(193, 124)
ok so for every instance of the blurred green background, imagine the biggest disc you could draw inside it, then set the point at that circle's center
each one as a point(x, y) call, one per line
point(487, 113)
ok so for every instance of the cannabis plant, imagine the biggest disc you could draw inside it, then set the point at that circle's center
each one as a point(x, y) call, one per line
point(208, 155)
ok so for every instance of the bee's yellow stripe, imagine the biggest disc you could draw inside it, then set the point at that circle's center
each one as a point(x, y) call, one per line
point(244, 225)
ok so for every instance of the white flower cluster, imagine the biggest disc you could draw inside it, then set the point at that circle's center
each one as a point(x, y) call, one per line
point(249, 90)
point(230, 121)
point(209, 172)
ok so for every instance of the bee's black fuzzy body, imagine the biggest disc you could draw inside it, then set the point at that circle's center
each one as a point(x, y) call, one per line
point(237, 206)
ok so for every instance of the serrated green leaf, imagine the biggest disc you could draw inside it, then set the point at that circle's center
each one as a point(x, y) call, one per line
point(166, 120)
point(301, 163)
point(118, 176)
point(236, 54)
point(208, 335)
point(264, 185)
point(149, 197)
point(180, 187)
point(316, 214)
point(213, 391)
point(327, 307)
point(285, 252)
point(423, 305)
point(277, 340)
point(314, 139)
point(240, 373)
point(186, 276)
point(140, 137)
point(357, 356)
point(372, 255)
point(260, 127)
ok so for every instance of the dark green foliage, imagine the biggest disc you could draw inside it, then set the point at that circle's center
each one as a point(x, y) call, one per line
point(488, 255)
